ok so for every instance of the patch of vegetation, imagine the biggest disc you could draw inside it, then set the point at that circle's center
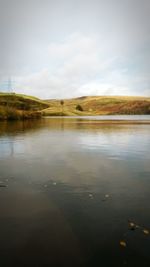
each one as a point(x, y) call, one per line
point(15, 107)
point(79, 107)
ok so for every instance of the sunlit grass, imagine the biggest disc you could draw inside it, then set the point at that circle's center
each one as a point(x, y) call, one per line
point(101, 105)
point(16, 106)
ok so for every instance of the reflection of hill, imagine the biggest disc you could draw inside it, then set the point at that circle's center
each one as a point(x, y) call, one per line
point(61, 124)
point(19, 126)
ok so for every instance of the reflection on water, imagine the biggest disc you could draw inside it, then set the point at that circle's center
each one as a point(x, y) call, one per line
point(71, 188)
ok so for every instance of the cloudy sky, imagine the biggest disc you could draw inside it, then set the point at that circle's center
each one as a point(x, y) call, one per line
point(70, 48)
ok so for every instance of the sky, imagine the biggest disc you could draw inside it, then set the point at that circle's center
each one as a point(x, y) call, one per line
point(71, 48)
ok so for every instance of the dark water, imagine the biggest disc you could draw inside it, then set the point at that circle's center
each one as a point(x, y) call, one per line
point(67, 191)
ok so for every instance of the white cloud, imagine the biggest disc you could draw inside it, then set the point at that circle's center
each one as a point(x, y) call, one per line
point(77, 60)
point(81, 65)
point(42, 48)
point(76, 43)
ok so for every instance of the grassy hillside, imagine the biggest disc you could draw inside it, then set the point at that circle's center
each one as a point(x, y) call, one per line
point(17, 106)
point(99, 105)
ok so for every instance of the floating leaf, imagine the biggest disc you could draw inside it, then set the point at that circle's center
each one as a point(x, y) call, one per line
point(123, 243)
point(146, 232)
point(132, 226)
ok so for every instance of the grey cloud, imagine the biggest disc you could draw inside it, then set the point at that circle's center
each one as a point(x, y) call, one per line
point(29, 29)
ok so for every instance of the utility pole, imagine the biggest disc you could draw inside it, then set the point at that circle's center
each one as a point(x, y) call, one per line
point(7, 86)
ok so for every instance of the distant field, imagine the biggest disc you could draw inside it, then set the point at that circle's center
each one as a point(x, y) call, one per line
point(99, 105)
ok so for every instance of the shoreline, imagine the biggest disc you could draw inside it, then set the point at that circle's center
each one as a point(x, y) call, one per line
point(80, 119)
point(87, 120)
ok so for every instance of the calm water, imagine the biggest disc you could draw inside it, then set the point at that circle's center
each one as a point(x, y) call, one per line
point(68, 189)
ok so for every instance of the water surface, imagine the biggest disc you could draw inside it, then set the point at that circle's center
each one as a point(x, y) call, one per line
point(70, 189)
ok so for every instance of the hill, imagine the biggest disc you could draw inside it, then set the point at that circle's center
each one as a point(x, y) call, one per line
point(17, 106)
point(99, 105)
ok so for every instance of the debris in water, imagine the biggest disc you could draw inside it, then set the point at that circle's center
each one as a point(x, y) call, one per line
point(54, 183)
point(132, 226)
point(90, 195)
point(3, 185)
point(146, 232)
point(105, 197)
point(123, 243)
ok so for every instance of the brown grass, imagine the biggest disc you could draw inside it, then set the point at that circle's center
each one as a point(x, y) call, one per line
point(100, 105)
point(15, 107)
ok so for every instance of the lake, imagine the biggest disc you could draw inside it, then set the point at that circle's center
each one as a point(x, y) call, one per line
point(75, 192)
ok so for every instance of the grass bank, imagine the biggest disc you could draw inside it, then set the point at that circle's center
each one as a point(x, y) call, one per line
point(99, 105)
point(17, 107)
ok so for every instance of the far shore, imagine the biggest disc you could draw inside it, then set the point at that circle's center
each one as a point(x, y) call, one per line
point(88, 120)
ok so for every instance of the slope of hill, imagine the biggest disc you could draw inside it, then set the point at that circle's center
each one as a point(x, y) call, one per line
point(99, 105)
point(17, 106)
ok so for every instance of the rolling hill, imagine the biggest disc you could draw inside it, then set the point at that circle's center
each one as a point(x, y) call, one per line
point(17, 106)
point(99, 105)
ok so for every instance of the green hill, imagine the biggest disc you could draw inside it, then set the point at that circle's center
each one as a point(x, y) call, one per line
point(17, 106)
point(99, 105)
